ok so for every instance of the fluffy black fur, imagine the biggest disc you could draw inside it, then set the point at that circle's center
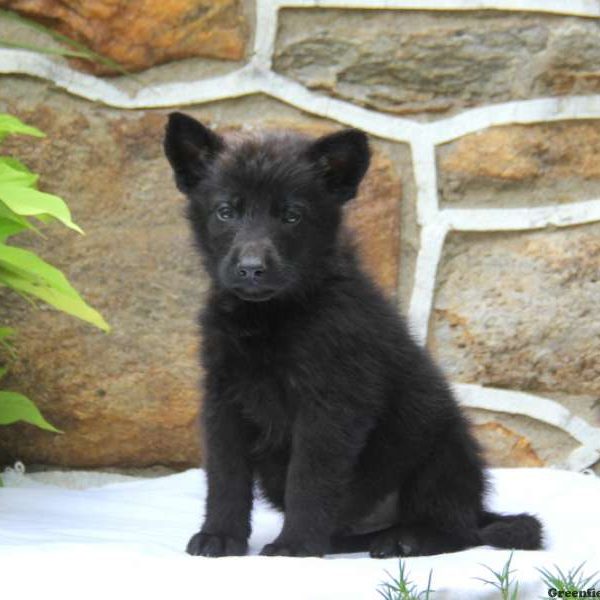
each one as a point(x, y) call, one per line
point(314, 387)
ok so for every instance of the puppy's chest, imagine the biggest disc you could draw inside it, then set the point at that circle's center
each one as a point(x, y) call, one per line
point(268, 393)
point(270, 418)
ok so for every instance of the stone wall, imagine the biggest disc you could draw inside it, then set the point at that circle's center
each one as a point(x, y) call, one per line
point(479, 217)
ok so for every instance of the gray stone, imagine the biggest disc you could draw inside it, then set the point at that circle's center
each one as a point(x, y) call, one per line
point(417, 62)
point(571, 64)
point(519, 310)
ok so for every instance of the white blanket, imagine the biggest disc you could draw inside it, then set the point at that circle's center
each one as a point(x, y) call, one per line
point(127, 539)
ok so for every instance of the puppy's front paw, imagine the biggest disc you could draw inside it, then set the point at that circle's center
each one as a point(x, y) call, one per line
point(288, 549)
point(208, 544)
point(392, 543)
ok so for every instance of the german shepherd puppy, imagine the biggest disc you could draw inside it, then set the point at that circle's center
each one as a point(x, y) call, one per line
point(314, 387)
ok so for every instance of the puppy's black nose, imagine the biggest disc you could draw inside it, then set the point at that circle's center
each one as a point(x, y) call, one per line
point(250, 268)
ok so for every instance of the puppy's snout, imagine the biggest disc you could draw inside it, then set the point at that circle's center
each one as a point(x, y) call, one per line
point(252, 263)
point(253, 271)
point(251, 267)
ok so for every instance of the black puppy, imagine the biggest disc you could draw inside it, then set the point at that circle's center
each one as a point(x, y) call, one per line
point(314, 387)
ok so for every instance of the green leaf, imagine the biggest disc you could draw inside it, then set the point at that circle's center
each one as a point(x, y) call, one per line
point(30, 202)
point(25, 272)
point(73, 306)
point(5, 342)
point(3, 371)
point(16, 407)
point(15, 164)
point(32, 266)
point(9, 216)
point(6, 332)
point(11, 125)
point(8, 228)
point(11, 176)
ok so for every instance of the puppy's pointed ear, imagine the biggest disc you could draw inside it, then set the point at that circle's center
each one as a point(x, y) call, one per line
point(342, 159)
point(190, 148)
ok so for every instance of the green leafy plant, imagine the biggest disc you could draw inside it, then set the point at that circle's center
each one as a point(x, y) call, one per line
point(503, 581)
point(401, 588)
point(22, 270)
point(574, 580)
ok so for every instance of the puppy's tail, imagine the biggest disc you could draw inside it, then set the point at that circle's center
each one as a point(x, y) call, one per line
point(521, 532)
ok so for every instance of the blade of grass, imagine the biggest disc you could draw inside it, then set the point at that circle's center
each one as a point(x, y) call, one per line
point(571, 581)
point(402, 588)
point(503, 582)
point(43, 50)
point(78, 47)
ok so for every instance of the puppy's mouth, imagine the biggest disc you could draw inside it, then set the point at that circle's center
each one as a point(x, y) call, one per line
point(255, 294)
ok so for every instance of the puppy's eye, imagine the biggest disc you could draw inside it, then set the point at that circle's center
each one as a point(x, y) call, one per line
point(291, 216)
point(225, 212)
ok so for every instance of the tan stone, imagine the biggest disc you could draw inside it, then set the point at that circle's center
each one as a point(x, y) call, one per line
point(375, 217)
point(552, 445)
point(141, 33)
point(131, 397)
point(504, 448)
point(507, 153)
point(518, 311)
point(517, 164)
